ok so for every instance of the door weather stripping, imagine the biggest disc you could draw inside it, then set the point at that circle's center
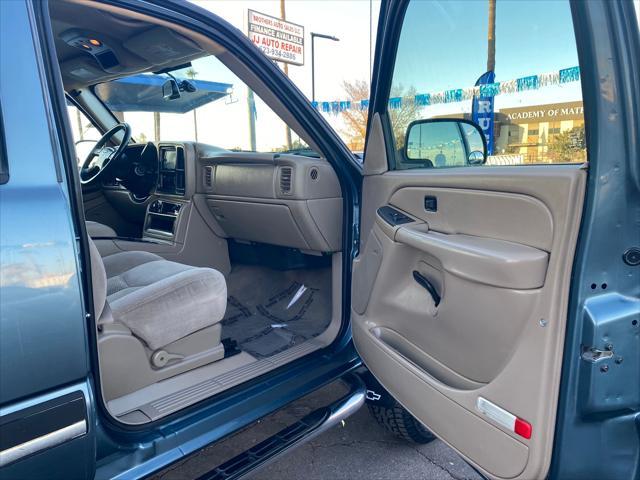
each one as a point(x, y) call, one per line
point(44, 442)
point(292, 436)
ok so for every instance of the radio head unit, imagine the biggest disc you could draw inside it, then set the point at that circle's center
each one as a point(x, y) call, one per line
point(171, 179)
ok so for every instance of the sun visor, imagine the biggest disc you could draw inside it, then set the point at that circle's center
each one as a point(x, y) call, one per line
point(161, 46)
point(143, 93)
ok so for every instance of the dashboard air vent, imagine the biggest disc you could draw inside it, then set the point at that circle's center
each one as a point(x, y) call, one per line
point(208, 176)
point(285, 180)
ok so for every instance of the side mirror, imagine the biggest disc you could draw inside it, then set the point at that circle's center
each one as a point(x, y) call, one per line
point(170, 90)
point(445, 142)
point(476, 158)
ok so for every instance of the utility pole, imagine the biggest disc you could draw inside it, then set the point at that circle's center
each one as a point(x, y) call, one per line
point(80, 128)
point(491, 37)
point(313, 64)
point(156, 126)
point(283, 16)
point(251, 111)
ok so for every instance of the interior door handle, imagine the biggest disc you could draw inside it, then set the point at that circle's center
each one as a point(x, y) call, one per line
point(428, 286)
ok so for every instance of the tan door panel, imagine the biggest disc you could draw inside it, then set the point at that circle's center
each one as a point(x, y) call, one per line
point(498, 252)
point(480, 259)
point(481, 213)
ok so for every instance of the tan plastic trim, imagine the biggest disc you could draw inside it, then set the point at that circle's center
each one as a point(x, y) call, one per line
point(483, 260)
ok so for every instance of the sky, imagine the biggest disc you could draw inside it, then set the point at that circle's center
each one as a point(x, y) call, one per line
point(443, 46)
point(335, 62)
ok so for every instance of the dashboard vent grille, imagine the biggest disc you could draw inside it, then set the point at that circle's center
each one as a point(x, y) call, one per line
point(208, 176)
point(285, 180)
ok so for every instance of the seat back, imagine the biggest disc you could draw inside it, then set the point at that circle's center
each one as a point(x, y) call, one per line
point(98, 280)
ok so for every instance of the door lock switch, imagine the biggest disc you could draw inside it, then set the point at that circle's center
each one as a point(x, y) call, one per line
point(431, 203)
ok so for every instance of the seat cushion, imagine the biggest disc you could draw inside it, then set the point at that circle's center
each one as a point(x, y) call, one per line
point(95, 230)
point(162, 301)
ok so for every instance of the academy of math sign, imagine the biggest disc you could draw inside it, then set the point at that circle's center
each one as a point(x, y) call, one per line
point(279, 40)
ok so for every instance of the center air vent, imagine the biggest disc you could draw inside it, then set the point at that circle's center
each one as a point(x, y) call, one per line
point(208, 176)
point(285, 180)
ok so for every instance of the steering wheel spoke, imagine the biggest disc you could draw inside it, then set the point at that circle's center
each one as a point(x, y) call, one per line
point(102, 155)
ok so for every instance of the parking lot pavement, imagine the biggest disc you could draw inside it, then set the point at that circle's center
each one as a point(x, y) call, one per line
point(357, 449)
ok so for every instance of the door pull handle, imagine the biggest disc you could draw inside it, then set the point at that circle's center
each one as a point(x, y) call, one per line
point(428, 286)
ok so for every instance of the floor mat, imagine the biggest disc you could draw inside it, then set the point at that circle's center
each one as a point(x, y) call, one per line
point(269, 311)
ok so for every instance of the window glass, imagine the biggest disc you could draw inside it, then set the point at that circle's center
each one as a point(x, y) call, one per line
point(213, 107)
point(529, 104)
point(85, 134)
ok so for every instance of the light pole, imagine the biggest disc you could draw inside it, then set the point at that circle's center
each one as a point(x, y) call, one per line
point(313, 67)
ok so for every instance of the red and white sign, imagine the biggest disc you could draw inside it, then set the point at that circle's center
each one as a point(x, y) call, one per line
point(279, 40)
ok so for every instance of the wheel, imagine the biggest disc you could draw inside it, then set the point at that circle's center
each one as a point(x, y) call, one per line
point(401, 423)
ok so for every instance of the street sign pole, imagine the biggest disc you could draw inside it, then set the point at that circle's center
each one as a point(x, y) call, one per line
point(283, 15)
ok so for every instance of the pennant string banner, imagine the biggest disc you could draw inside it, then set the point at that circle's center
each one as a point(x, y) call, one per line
point(531, 82)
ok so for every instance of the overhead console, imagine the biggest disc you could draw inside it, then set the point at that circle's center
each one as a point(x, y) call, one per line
point(279, 199)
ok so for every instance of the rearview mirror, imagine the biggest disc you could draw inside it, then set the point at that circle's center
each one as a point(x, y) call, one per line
point(170, 90)
point(445, 142)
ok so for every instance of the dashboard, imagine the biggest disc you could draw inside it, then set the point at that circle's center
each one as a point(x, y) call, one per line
point(271, 198)
point(279, 199)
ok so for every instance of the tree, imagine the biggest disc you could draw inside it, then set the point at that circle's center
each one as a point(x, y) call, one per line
point(296, 144)
point(191, 73)
point(355, 118)
point(569, 146)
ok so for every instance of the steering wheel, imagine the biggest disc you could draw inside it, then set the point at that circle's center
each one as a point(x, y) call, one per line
point(102, 155)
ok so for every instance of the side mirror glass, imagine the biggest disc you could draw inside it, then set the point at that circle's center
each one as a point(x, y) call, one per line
point(476, 158)
point(170, 90)
point(445, 142)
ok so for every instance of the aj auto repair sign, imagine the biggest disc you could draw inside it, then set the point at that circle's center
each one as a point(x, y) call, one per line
point(279, 40)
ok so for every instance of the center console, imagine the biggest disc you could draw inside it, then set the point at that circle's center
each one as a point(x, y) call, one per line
point(161, 220)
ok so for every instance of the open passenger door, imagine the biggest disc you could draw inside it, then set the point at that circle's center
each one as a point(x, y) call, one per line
point(461, 288)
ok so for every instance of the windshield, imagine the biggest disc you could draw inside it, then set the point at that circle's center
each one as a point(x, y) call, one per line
point(213, 107)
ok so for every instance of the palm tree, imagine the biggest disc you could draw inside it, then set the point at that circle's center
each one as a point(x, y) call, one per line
point(491, 34)
point(191, 73)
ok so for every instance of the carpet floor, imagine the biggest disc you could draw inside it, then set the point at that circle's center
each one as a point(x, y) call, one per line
point(269, 311)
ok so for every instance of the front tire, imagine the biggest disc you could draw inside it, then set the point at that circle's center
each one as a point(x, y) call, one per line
point(401, 423)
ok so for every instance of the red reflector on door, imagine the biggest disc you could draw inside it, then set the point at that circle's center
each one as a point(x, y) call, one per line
point(522, 428)
point(503, 417)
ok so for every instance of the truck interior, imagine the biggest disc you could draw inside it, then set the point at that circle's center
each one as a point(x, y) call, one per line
point(209, 266)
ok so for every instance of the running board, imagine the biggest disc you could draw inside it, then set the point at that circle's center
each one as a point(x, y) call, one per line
point(292, 436)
